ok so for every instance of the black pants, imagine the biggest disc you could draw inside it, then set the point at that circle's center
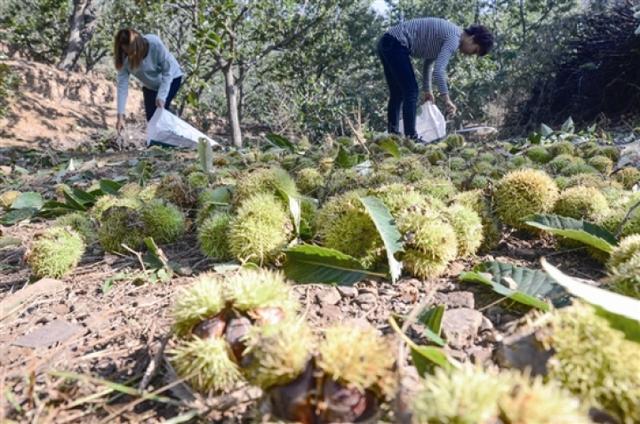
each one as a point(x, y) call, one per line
point(151, 95)
point(403, 88)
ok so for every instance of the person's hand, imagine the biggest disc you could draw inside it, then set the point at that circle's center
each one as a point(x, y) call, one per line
point(160, 103)
point(120, 123)
point(428, 96)
point(450, 107)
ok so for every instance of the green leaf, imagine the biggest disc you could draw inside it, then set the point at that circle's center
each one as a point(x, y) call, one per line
point(346, 160)
point(390, 146)
point(205, 156)
point(28, 200)
point(109, 187)
point(532, 287)
point(575, 229)
point(545, 130)
point(73, 202)
point(17, 215)
point(424, 357)
point(432, 319)
point(155, 257)
point(622, 312)
point(314, 264)
point(281, 142)
point(388, 231)
point(535, 138)
point(292, 197)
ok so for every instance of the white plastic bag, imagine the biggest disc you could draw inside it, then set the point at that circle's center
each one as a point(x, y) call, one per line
point(430, 123)
point(167, 128)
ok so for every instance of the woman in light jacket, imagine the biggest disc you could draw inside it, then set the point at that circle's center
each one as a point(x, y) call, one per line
point(150, 61)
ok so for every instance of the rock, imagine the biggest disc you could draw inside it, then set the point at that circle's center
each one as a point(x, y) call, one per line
point(366, 298)
point(347, 291)
point(456, 299)
point(524, 351)
point(330, 296)
point(486, 324)
point(371, 290)
point(457, 268)
point(481, 354)
point(409, 294)
point(460, 326)
point(331, 313)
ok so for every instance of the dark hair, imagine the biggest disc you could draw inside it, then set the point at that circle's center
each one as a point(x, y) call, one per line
point(482, 37)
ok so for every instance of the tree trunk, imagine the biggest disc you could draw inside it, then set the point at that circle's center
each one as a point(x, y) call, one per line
point(75, 42)
point(231, 89)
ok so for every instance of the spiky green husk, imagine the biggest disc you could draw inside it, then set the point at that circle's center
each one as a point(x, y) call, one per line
point(197, 180)
point(251, 289)
point(81, 223)
point(557, 164)
point(409, 167)
point(626, 249)
point(278, 353)
point(130, 190)
point(601, 163)
point(454, 141)
point(309, 180)
point(174, 188)
point(591, 180)
point(532, 401)
point(163, 221)
point(590, 149)
point(578, 168)
point(562, 148)
point(586, 203)
point(435, 155)
point(8, 197)
point(308, 216)
point(439, 188)
point(148, 192)
point(479, 182)
point(465, 396)
point(105, 202)
point(457, 163)
point(483, 168)
point(56, 252)
point(472, 395)
point(468, 228)
point(624, 267)
point(121, 225)
point(595, 362)
point(398, 197)
point(357, 357)
point(523, 193)
point(430, 243)
point(206, 364)
point(539, 154)
point(612, 152)
point(481, 204)
point(344, 225)
point(517, 162)
point(264, 180)
point(202, 300)
point(343, 180)
point(492, 158)
point(260, 229)
point(628, 177)
point(213, 235)
point(469, 153)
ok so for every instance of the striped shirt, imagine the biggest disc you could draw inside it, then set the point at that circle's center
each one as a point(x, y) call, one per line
point(433, 39)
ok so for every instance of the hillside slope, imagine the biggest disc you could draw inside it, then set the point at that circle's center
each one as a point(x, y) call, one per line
point(61, 110)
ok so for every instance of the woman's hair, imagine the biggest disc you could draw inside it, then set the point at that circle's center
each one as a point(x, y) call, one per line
point(482, 37)
point(137, 48)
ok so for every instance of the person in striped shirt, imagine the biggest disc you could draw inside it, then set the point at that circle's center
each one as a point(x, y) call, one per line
point(435, 40)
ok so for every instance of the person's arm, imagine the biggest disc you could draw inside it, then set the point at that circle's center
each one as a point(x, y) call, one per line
point(122, 85)
point(164, 59)
point(440, 70)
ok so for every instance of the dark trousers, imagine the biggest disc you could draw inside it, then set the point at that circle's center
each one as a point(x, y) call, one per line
point(403, 88)
point(150, 97)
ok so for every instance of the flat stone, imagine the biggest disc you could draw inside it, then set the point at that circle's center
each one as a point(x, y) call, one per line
point(329, 296)
point(347, 291)
point(366, 298)
point(523, 351)
point(481, 354)
point(456, 299)
point(331, 313)
point(486, 324)
point(49, 334)
point(460, 326)
point(371, 290)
